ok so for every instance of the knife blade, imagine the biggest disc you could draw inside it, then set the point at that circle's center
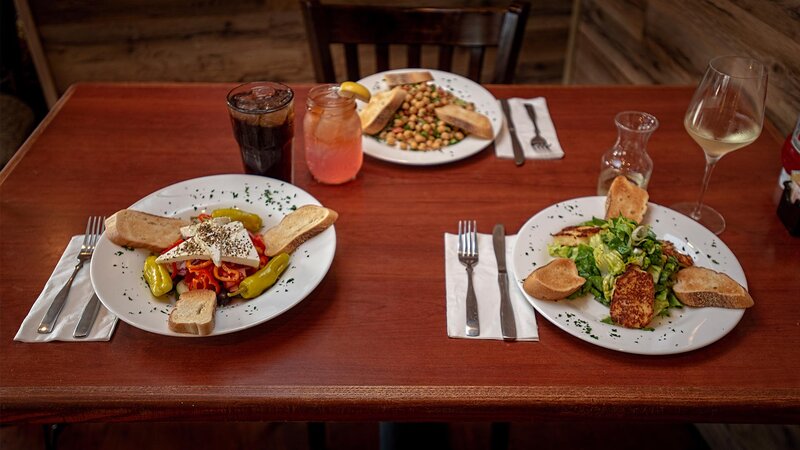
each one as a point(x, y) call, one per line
point(519, 156)
point(87, 318)
point(507, 324)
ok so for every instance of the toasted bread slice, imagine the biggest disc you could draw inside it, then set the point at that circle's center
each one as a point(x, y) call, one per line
point(554, 281)
point(194, 313)
point(474, 123)
point(701, 287)
point(627, 199)
point(396, 79)
point(380, 109)
point(130, 228)
point(298, 227)
point(633, 301)
point(575, 235)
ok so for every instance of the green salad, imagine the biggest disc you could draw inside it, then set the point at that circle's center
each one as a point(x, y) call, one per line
point(621, 242)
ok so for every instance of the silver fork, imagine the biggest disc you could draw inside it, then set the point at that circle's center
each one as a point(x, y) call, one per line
point(537, 142)
point(94, 228)
point(468, 256)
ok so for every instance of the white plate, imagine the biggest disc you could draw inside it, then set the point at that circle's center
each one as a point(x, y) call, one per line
point(463, 88)
point(684, 330)
point(117, 272)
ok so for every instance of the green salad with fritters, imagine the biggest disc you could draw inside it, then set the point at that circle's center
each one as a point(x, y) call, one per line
point(608, 253)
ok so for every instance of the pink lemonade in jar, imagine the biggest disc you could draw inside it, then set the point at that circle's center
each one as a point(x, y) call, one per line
point(332, 135)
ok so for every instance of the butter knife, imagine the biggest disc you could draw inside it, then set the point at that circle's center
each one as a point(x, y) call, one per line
point(507, 324)
point(87, 318)
point(519, 156)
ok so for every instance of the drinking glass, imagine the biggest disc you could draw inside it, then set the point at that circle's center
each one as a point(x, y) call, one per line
point(262, 116)
point(332, 135)
point(726, 113)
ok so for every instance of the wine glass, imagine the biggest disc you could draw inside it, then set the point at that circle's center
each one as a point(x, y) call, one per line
point(726, 113)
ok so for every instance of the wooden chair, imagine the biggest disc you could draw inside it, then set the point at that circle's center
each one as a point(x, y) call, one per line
point(475, 29)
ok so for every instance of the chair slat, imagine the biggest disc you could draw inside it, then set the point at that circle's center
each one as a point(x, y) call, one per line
point(351, 60)
point(475, 63)
point(382, 57)
point(446, 58)
point(414, 55)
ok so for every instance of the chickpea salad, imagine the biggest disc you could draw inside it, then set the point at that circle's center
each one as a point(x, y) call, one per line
point(415, 125)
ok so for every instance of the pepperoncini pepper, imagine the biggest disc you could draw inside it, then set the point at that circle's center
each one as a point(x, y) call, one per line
point(157, 277)
point(252, 222)
point(262, 280)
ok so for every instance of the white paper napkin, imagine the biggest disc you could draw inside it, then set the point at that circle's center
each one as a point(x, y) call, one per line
point(79, 295)
point(525, 131)
point(486, 290)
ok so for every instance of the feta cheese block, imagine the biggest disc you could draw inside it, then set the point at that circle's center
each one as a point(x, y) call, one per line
point(217, 240)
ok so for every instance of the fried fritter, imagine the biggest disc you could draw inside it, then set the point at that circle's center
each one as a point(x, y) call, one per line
point(633, 302)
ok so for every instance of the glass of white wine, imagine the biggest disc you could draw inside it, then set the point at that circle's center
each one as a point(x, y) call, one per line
point(726, 113)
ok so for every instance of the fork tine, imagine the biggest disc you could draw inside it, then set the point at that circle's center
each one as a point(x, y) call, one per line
point(87, 235)
point(460, 237)
point(97, 229)
point(474, 239)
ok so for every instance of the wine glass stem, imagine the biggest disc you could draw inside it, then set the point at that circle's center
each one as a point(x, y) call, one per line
point(711, 162)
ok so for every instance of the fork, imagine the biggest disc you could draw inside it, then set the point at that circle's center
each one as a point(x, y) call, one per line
point(468, 256)
point(537, 142)
point(94, 228)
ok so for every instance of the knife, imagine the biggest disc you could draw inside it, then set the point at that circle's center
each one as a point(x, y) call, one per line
point(519, 156)
point(507, 324)
point(87, 318)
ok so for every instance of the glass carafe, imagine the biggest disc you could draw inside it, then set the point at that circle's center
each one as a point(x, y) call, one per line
point(628, 156)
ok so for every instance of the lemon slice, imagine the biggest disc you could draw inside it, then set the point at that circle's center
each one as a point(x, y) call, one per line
point(352, 89)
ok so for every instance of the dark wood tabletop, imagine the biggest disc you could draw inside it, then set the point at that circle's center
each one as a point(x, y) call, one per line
point(370, 342)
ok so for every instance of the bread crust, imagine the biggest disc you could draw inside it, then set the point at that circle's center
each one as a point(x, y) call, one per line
point(380, 110)
point(194, 313)
point(298, 227)
point(701, 287)
point(627, 199)
point(474, 123)
point(556, 280)
point(136, 229)
point(396, 79)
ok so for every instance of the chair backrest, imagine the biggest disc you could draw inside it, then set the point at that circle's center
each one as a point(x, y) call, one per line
point(474, 29)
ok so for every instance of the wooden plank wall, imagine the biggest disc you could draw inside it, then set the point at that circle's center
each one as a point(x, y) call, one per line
point(234, 40)
point(671, 41)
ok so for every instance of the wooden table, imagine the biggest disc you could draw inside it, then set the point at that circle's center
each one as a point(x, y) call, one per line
point(370, 342)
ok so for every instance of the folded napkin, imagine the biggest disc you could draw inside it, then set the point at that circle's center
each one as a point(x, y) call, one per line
point(79, 295)
point(525, 131)
point(484, 280)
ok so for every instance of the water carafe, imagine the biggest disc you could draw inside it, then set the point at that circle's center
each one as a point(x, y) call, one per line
point(628, 156)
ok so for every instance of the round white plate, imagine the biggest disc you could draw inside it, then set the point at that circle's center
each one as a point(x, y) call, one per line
point(117, 272)
point(463, 88)
point(684, 330)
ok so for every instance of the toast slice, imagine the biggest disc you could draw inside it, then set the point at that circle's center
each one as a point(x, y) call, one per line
point(194, 313)
point(130, 228)
point(396, 79)
point(298, 227)
point(701, 287)
point(633, 301)
point(626, 199)
point(554, 281)
point(380, 110)
point(474, 123)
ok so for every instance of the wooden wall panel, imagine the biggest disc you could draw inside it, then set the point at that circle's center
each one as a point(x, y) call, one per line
point(671, 41)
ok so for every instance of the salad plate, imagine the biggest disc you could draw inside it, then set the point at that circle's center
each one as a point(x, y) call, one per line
point(461, 87)
point(116, 271)
point(685, 329)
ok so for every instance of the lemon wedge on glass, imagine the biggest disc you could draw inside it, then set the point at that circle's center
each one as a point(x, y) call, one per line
point(352, 89)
